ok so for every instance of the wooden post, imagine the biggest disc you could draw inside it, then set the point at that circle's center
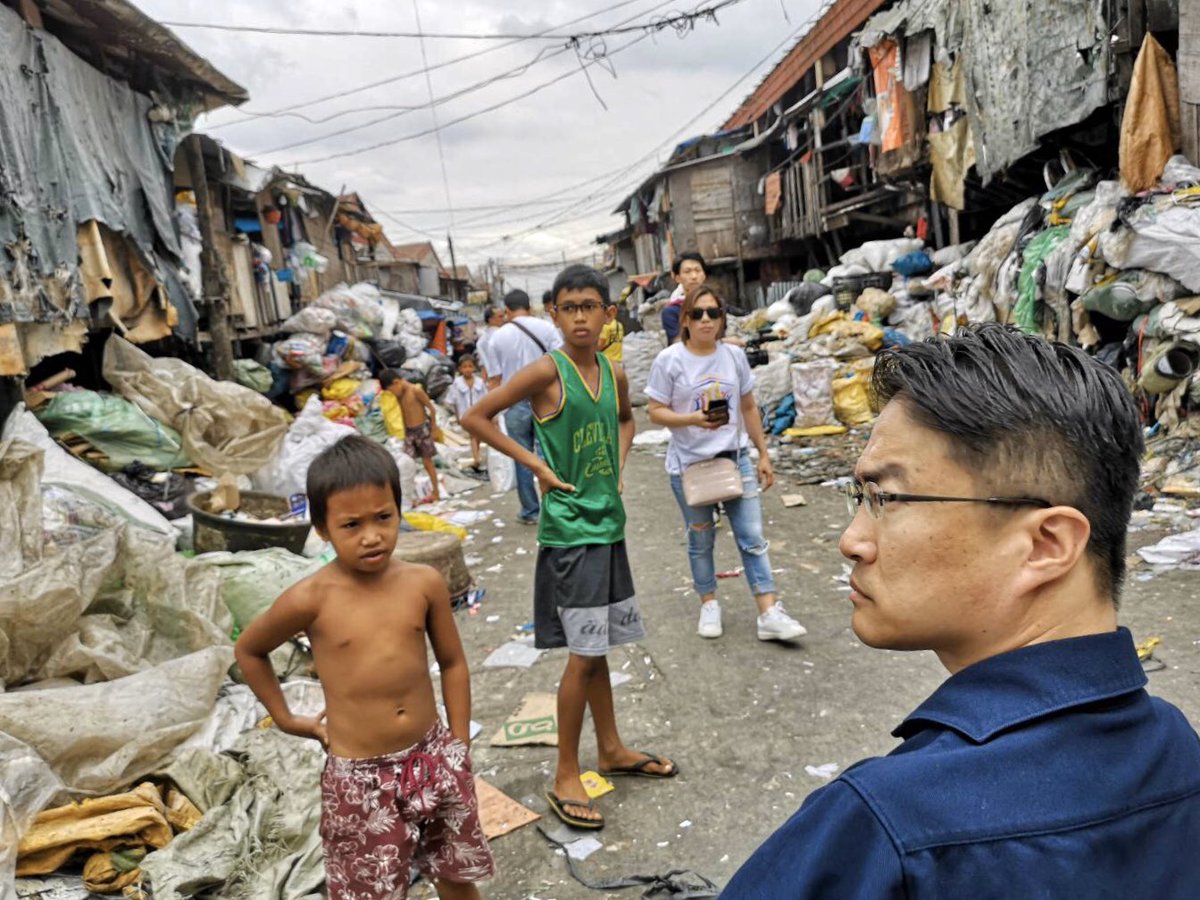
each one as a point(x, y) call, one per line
point(212, 268)
point(1189, 76)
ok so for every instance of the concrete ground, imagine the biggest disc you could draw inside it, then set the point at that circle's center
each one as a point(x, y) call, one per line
point(742, 718)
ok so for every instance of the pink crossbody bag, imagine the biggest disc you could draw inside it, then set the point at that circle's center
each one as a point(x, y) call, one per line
point(713, 481)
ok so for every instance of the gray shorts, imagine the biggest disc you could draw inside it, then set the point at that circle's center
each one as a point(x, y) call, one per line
point(583, 599)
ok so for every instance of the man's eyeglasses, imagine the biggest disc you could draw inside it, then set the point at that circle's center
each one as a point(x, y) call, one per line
point(574, 309)
point(713, 313)
point(876, 500)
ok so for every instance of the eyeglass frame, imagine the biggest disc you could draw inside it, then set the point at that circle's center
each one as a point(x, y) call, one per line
point(712, 313)
point(856, 494)
point(587, 307)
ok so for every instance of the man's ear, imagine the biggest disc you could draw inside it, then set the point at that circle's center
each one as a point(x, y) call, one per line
point(1058, 540)
point(610, 312)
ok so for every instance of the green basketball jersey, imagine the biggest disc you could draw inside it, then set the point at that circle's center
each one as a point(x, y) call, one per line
point(581, 443)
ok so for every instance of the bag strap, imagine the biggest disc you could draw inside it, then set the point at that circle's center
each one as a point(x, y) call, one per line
point(529, 334)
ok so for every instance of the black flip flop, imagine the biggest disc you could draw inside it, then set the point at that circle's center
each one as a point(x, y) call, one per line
point(560, 809)
point(639, 769)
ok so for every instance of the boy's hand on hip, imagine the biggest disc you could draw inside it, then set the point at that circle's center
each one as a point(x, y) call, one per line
point(309, 727)
point(548, 481)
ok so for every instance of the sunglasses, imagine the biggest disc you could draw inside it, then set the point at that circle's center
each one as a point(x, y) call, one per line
point(713, 313)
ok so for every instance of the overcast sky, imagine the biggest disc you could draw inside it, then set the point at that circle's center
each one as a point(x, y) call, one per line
point(542, 146)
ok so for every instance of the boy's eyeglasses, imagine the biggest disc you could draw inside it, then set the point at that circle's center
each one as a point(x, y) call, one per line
point(573, 309)
point(713, 313)
point(877, 500)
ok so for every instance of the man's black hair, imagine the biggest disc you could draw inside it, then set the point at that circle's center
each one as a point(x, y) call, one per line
point(579, 277)
point(684, 257)
point(517, 299)
point(387, 376)
point(547, 298)
point(1030, 418)
point(351, 462)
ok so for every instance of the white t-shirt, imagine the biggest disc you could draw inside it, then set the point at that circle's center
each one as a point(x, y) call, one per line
point(463, 396)
point(510, 349)
point(680, 379)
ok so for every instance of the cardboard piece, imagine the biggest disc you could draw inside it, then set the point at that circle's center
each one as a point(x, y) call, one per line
point(534, 722)
point(500, 814)
point(791, 500)
point(226, 496)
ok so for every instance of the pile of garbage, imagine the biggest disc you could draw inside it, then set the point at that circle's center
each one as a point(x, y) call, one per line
point(1087, 262)
point(347, 335)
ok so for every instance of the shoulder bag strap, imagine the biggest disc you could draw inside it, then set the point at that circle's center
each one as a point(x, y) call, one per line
point(529, 334)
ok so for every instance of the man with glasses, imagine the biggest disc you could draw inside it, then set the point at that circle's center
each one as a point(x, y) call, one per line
point(990, 509)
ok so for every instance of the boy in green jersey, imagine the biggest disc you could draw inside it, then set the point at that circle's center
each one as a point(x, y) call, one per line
point(583, 590)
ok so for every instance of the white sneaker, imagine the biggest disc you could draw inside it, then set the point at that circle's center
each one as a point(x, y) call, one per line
point(776, 625)
point(710, 620)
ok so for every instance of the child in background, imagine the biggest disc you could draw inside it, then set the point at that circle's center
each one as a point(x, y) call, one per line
point(420, 422)
point(467, 390)
point(583, 589)
point(397, 792)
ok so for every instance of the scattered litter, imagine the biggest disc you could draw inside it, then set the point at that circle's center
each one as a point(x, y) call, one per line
point(473, 560)
point(582, 848)
point(793, 500)
point(492, 620)
point(732, 573)
point(497, 539)
point(686, 823)
point(662, 844)
point(652, 438)
point(500, 814)
point(521, 551)
point(527, 628)
point(499, 523)
point(616, 679)
point(534, 722)
point(494, 569)
point(1179, 551)
point(513, 655)
point(826, 771)
point(465, 517)
point(596, 784)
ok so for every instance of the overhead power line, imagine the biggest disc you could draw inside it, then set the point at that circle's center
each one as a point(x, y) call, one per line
point(684, 20)
point(251, 116)
point(466, 118)
point(433, 103)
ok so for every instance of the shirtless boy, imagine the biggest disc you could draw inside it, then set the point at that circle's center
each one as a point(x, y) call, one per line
point(420, 422)
point(397, 792)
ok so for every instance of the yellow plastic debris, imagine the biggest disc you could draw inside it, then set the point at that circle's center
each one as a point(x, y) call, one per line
point(816, 431)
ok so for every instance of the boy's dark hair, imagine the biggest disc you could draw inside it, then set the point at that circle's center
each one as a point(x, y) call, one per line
point(1031, 418)
point(547, 298)
point(388, 376)
point(517, 299)
point(579, 277)
point(684, 257)
point(468, 358)
point(353, 461)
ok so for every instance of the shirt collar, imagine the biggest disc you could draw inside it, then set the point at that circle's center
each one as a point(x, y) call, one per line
point(1011, 688)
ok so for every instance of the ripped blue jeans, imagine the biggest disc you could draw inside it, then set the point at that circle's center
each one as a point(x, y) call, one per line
point(745, 518)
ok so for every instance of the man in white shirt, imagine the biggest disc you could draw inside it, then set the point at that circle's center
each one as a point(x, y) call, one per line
point(524, 340)
point(493, 320)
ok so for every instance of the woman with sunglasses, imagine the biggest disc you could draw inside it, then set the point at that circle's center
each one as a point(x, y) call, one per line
point(702, 390)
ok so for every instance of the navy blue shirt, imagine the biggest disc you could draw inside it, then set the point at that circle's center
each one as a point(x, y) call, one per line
point(670, 321)
point(1046, 772)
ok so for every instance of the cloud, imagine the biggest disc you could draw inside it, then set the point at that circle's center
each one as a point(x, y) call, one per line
point(541, 145)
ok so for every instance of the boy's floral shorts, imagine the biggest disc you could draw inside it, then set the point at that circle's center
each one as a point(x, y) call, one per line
point(383, 816)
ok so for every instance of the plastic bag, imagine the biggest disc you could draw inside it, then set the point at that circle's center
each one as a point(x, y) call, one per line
point(772, 382)
point(851, 400)
point(61, 468)
point(132, 724)
point(309, 435)
point(358, 310)
point(165, 491)
point(27, 785)
point(312, 320)
point(502, 470)
point(224, 426)
point(302, 352)
point(115, 427)
point(252, 580)
point(875, 303)
point(253, 374)
point(812, 386)
point(423, 521)
point(917, 263)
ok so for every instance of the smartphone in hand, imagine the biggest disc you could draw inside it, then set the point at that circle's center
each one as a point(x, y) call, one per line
point(717, 410)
